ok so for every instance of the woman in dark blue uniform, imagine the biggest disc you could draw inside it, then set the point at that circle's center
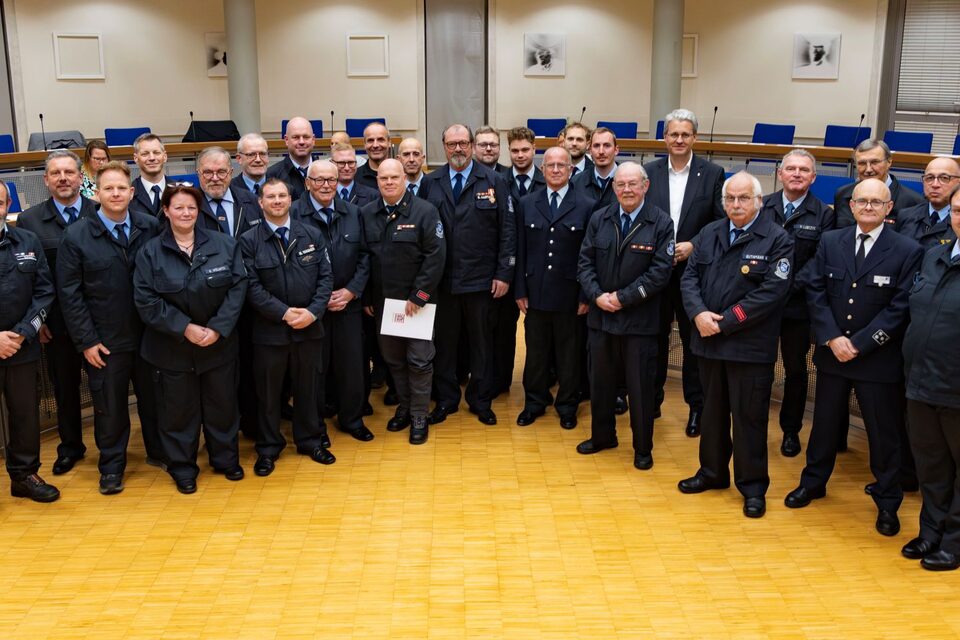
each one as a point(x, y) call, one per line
point(189, 288)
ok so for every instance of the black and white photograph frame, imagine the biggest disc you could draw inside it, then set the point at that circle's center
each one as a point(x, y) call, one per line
point(216, 54)
point(816, 56)
point(544, 54)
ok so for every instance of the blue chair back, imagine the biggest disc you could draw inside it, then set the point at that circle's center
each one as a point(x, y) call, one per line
point(546, 127)
point(317, 126)
point(123, 137)
point(913, 141)
point(14, 198)
point(192, 178)
point(844, 137)
point(773, 133)
point(825, 187)
point(623, 130)
point(355, 126)
point(956, 146)
point(660, 126)
point(6, 143)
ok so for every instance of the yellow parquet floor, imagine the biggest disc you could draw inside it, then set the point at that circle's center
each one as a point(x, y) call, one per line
point(484, 532)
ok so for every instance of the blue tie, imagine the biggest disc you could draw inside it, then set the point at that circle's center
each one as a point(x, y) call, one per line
point(156, 198)
point(522, 184)
point(222, 217)
point(788, 210)
point(412, 189)
point(344, 194)
point(624, 225)
point(325, 214)
point(121, 230)
point(282, 234)
point(934, 218)
point(71, 214)
point(554, 204)
point(602, 183)
point(256, 188)
point(457, 186)
point(734, 234)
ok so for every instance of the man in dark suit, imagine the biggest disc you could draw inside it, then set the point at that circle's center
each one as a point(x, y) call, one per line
point(551, 224)
point(574, 138)
point(293, 168)
point(410, 154)
point(929, 223)
point(376, 142)
point(49, 220)
point(486, 149)
point(687, 187)
point(596, 183)
point(349, 188)
point(95, 288)
point(805, 218)
point(857, 291)
point(481, 254)
point(151, 158)
point(253, 157)
point(227, 209)
point(624, 264)
point(873, 159)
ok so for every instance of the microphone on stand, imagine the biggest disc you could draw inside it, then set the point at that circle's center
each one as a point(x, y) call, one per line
point(43, 134)
point(856, 134)
point(582, 111)
point(332, 128)
point(714, 123)
point(193, 131)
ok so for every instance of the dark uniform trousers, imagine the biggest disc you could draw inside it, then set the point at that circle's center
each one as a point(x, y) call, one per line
point(612, 356)
point(20, 389)
point(935, 438)
point(271, 364)
point(794, 347)
point(65, 364)
point(342, 368)
point(411, 363)
point(671, 305)
point(558, 337)
point(473, 313)
point(504, 344)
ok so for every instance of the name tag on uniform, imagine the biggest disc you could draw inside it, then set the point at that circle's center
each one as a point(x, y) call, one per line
point(29, 255)
point(404, 227)
point(881, 280)
point(806, 227)
point(219, 269)
point(755, 257)
point(309, 249)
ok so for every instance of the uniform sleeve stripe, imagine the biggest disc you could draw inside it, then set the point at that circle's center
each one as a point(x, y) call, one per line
point(739, 313)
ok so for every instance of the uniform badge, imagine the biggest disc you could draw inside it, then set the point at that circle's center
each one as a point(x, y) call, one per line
point(783, 269)
point(881, 280)
point(439, 229)
point(671, 248)
point(745, 269)
point(881, 337)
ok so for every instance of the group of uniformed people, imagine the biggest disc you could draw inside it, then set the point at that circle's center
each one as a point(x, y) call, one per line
point(223, 303)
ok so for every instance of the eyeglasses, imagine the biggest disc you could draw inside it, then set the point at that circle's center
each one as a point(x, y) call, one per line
point(256, 154)
point(801, 170)
point(321, 180)
point(556, 166)
point(219, 173)
point(872, 163)
point(744, 199)
point(942, 178)
point(459, 144)
point(487, 145)
point(680, 136)
point(863, 203)
point(345, 163)
point(183, 183)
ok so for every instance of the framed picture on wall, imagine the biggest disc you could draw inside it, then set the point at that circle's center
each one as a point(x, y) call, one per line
point(816, 56)
point(544, 54)
point(216, 48)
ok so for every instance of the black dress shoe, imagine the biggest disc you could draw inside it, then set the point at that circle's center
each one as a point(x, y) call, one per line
point(693, 423)
point(63, 464)
point(698, 484)
point(418, 430)
point(754, 507)
point(361, 433)
point(568, 422)
point(186, 485)
point(888, 524)
point(918, 549)
point(367, 409)
point(264, 465)
point(868, 488)
point(440, 413)
point(643, 461)
point(657, 413)
point(941, 561)
point(801, 497)
point(233, 474)
point(528, 416)
point(790, 447)
point(325, 440)
point(391, 398)
point(589, 446)
point(486, 416)
point(111, 483)
point(35, 488)
point(399, 421)
point(620, 407)
point(323, 456)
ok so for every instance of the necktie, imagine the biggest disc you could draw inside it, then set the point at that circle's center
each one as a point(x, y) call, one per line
point(256, 188)
point(457, 186)
point(934, 218)
point(602, 183)
point(391, 209)
point(222, 216)
point(624, 225)
point(735, 234)
point(282, 234)
point(788, 210)
point(862, 251)
point(121, 230)
point(522, 184)
point(71, 214)
point(325, 214)
point(412, 189)
point(955, 259)
point(554, 204)
point(303, 172)
point(576, 170)
point(344, 194)
point(156, 198)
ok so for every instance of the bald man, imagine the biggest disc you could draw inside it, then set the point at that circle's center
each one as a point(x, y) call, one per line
point(292, 169)
point(411, 156)
point(929, 223)
point(376, 142)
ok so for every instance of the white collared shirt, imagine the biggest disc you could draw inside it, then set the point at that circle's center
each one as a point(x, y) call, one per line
point(677, 181)
point(872, 240)
point(149, 186)
point(561, 194)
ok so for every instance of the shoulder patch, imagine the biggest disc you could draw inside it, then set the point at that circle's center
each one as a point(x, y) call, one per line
point(439, 229)
point(783, 268)
point(671, 248)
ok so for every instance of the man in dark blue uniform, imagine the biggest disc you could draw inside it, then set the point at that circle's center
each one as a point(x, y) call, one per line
point(929, 223)
point(349, 188)
point(575, 138)
point(376, 143)
point(95, 286)
point(28, 285)
point(805, 218)
point(624, 264)
point(596, 182)
point(288, 286)
point(481, 246)
point(734, 289)
point(49, 220)
point(253, 156)
point(873, 159)
point(857, 290)
point(551, 224)
point(300, 141)
point(151, 158)
point(407, 247)
point(933, 402)
point(341, 226)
